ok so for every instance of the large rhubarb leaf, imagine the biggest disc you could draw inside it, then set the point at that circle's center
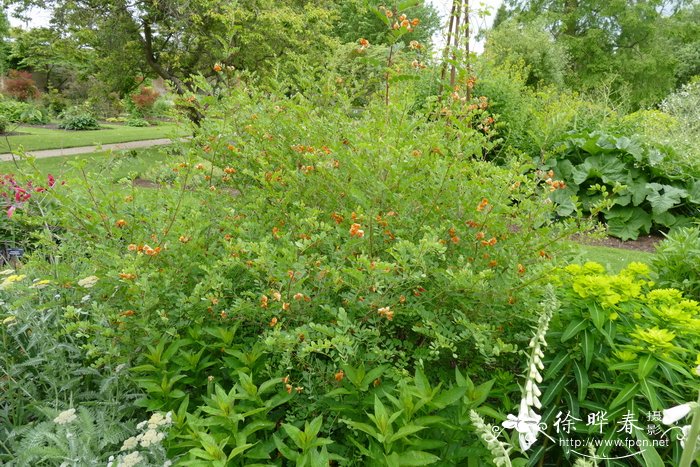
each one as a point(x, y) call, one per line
point(627, 223)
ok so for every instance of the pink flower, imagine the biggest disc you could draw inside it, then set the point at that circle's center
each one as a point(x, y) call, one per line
point(52, 181)
point(11, 211)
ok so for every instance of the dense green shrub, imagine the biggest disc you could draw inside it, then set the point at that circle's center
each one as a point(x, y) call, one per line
point(54, 102)
point(78, 119)
point(676, 261)
point(23, 112)
point(137, 122)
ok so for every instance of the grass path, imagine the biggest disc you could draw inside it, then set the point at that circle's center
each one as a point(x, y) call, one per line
point(36, 139)
point(46, 153)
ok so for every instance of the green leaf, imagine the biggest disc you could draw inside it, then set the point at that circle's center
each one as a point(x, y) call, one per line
point(647, 364)
point(627, 223)
point(626, 394)
point(598, 316)
point(553, 389)
point(557, 364)
point(405, 431)
point(662, 202)
point(409, 458)
point(649, 391)
point(449, 397)
point(574, 328)
point(581, 381)
point(588, 347)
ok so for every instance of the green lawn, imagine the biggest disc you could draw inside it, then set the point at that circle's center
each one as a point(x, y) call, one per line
point(614, 259)
point(43, 138)
point(115, 164)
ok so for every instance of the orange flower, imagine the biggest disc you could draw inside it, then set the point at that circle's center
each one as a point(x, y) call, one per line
point(128, 198)
point(285, 306)
point(217, 68)
point(364, 43)
point(389, 13)
point(337, 218)
point(355, 231)
point(339, 375)
point(386, 312)
point(480, 235)
point(128, 313)
point(273, 322)
point(405, 23)
point(298, 389)
point(402, 18)
point(263, 301)
point(184, 239)
point(199, 166)
point(289, 388)
point(521, 269)
point(231, 147)
point(120, 223)
point(151, 251)
point(491, 242)
point(298, 296)
point(493, 264)
point(132, 247)
point(229, 170)
point(415, 22)
point(484, 202)
point(285, 380)
point(127, 276)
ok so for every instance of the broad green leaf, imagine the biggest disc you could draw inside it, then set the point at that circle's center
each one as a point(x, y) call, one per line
point(627, 223)
point(662, 202)
point(405, 431)
point(410, 458)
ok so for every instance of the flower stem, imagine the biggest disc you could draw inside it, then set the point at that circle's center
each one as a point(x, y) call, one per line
point(691, 443)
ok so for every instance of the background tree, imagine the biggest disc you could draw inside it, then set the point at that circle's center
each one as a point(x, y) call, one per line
point(59, 56)
point(639, 47)
point(4, 45)
point(545, 61)
point(358, 18)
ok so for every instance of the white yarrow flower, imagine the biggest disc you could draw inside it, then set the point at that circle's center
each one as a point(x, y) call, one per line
point(65, 417)
point(88, 282)
point(129, 444)
point(130, 460)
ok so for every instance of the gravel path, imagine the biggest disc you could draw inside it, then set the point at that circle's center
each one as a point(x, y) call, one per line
point(89, 149)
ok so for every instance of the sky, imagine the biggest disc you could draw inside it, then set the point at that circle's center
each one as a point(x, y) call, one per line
point(40, 17)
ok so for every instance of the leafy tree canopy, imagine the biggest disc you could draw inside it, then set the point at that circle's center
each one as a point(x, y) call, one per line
point(641, 47)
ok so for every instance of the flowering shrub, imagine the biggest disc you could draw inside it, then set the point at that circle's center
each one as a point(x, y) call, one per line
point(315, 284)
